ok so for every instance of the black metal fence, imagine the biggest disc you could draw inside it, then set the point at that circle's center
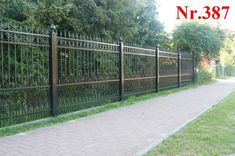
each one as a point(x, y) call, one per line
point(45, 73)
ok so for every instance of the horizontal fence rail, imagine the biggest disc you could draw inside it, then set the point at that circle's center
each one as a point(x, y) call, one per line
point(45, 73)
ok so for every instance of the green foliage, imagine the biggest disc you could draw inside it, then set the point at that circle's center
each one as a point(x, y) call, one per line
point(203, 74)
point(201, 39)
point(227, 53)
point(51, 11)
point(229, 70)
point(17, 10)
point(131, 20)
point(224, 71)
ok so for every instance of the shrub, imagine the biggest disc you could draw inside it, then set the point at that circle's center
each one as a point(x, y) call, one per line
point(204, 75)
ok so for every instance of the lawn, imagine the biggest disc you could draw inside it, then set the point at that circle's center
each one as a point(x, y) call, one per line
point(212, 134)
point(72, 116)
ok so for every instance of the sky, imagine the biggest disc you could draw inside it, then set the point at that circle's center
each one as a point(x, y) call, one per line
point(168, 12)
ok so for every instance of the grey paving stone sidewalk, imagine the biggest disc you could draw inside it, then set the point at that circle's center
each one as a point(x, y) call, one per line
point(123, 132)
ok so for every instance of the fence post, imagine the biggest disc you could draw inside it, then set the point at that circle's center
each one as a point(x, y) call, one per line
point(179, 69)
point(157, 69)
point(193, 57)
point(121, 71)
point(53, 72)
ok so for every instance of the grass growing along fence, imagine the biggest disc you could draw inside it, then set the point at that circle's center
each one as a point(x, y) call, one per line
point(211, 134)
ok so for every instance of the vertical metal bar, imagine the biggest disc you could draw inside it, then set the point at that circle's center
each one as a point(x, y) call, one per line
point(82, 65)
point(65, 63)
point(106, 66)
point(86, 64)
point(69, 63)
point(97, 66)
point(193, 61)
point(157, 69)
point(121, 71)
point(53, 62)
point(43, 62)
point(101, 65)
point(27, 64)
point(2, 73)
point(61, 59)
point(74, 69)
point(179, 69)
point(21, 65)
point(38, 52)
point(9, 58)
point(77, 70)
point(15, 63)
point(134, 66)
point(89, 65)
point(73, 58)
point(32, 65)
point(60, 62)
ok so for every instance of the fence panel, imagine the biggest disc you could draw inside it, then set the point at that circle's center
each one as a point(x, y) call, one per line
point(24, 93)
point(139, 70)
point(89, 73)
point(168, 71)
point(187, 69)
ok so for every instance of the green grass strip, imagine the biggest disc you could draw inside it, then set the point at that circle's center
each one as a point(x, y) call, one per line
point(72, 116)
point(212, 134)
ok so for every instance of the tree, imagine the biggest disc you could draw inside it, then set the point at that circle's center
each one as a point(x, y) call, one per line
point(133, 20)
point(201, 39)
point(52, 11)
point(16, 10)
point(227, 53)
point(150, 29)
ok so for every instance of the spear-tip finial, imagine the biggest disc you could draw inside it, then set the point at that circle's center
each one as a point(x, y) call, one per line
point(53, 27)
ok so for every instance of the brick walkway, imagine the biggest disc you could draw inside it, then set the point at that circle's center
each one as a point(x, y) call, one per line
point(123, 132)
